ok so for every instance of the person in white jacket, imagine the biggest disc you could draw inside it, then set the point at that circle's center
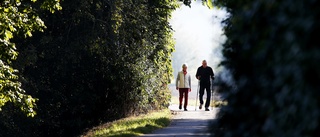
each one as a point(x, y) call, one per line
point(183, 84)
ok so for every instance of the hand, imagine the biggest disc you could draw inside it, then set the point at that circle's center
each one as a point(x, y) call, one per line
point(189, 89)
point(198, 77)
point(177, 88)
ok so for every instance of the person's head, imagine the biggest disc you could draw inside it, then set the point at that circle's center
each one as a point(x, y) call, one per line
point(204, 63)
point(184, 67)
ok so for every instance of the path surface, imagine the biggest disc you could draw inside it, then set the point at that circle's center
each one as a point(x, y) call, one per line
point(187, 123)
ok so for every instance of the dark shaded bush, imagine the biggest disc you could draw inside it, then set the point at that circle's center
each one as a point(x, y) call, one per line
point(273, 55)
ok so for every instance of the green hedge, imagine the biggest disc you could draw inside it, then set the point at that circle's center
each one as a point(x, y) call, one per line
point(97, 61)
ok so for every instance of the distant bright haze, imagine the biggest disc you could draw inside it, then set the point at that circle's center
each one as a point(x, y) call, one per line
point(198, 34)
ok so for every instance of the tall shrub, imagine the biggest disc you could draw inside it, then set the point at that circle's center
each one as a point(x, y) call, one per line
point(273, 56)
point(97, 61)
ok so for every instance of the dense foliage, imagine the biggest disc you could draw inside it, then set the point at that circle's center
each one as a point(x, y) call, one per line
point(96, 61)
point(273, 55)
point(18, 19)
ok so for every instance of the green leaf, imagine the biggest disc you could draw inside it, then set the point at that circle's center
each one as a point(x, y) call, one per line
point(6, 9)
point(28, 33)
point(209, 4)
point(8, 35)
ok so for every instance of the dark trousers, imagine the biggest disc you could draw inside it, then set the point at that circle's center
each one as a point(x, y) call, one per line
point(201, 93)
point(183, 92)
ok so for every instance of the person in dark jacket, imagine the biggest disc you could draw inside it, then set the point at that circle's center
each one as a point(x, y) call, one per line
point(204, 74)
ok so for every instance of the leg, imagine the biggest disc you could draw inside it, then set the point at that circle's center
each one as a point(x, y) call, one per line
point(201, 92)
point(180, 97)
point(208, 96)
point(186, 98)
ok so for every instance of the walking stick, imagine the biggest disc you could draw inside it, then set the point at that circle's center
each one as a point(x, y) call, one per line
point(195, 108)
point(212, 91)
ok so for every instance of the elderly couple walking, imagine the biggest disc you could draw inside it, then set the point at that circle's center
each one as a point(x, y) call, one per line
point(183, 84)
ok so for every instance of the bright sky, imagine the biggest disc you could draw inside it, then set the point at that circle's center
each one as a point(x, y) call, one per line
point(198, 35)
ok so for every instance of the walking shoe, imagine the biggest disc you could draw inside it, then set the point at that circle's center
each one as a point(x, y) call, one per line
point(180, 107)
point(185, 109)
point(200, 107)
point(207, 109)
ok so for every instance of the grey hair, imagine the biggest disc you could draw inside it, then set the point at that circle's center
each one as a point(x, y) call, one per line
point(184, 65)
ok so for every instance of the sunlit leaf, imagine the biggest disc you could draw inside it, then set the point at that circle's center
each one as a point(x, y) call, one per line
point(209, 4)
point(8, 35)
point(29, 33)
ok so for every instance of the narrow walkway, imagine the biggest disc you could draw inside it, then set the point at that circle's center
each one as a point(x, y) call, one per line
point(187, 123)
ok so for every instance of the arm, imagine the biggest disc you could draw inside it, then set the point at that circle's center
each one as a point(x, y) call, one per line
point(198, 74)
point(189, 79)
point(212, 74)
point(177, 81)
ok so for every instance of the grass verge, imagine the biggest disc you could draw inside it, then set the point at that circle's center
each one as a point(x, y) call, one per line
point(133, 126)
point(139, 125)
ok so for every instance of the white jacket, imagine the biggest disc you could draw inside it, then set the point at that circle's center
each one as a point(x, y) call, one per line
point(183, 81)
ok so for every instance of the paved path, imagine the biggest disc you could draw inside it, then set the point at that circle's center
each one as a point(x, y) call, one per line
point(193, 122)
point(186, 123)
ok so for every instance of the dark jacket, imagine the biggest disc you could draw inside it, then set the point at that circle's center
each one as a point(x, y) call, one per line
point(205, 75)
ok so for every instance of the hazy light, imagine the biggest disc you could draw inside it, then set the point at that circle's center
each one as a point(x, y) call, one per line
point(198, 34)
